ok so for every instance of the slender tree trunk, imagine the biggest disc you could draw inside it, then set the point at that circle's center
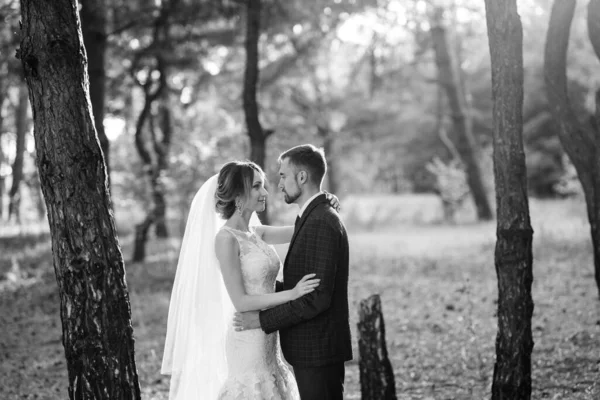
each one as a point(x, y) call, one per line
point(465, 142)
point(155, 164)
point(95, 308)
point(580, 141)
point(258, 136)
point(161, 148)
point(2, 98)
point(325, 134)
point(93, 26)
point(513, 255)
point(374, 78)
point(36, 187)
point(142, 229)
point(152, 168)
point(21, 127)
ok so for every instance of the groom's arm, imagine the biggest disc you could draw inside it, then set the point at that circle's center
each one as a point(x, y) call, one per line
point(322, 254)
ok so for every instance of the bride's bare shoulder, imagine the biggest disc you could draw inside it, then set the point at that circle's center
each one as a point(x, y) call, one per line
point(225, 239)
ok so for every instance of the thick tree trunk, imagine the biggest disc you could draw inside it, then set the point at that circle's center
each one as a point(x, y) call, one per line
point(21, 127)
point(376, 374)
point(465, 142)
point(513, 255)
point(580, 141)
point(95, 308)
point(258, 136)
point(93, 26)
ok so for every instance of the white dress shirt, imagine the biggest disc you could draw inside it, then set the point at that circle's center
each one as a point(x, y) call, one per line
point(305, 206)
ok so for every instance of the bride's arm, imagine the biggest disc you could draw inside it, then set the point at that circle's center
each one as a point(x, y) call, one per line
point(227, 250)
point(283, 234)
point(275, 234)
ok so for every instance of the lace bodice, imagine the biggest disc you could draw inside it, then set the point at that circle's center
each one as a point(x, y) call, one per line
point(259, 261)
point(256, 370)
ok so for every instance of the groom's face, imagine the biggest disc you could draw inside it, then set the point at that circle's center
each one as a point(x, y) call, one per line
point(288, 181)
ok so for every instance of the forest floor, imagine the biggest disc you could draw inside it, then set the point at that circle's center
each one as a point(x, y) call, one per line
point(439, 293)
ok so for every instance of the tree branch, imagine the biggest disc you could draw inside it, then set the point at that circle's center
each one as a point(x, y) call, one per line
point(593, 22)
point(574, 136)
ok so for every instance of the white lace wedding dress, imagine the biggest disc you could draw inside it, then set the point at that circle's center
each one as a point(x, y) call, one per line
point(256, 370)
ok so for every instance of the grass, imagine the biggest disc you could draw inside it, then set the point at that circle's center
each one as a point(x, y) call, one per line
point(438, 287)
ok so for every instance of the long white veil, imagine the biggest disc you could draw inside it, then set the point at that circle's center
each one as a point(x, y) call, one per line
point(200, 308)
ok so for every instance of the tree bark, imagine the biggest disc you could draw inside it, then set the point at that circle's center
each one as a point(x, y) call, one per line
point(376, 375)
point(21, 127)
point(151, 169)
point(465, 142)
point(95, 308)
point(155, 164)
point(580, 141)
point(2, 99)
point(93, 26)
point(513, 254)
point(258, 135)
point(325, 134)
point(161, 148)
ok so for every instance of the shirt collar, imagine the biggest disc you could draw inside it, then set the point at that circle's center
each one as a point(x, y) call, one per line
point(306, 204)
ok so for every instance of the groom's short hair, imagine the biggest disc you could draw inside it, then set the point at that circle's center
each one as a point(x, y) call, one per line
point(309, 157)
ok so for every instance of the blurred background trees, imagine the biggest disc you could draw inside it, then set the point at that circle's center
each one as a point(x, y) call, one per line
point(397, 92)
point(358, 77)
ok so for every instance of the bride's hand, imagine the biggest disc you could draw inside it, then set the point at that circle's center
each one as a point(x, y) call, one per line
point(333, 201)
point(305, 286)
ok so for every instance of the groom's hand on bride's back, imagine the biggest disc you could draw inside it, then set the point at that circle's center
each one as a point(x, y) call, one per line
point(242, 321)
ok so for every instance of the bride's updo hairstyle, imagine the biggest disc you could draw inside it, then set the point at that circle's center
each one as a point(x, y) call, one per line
point(235, 181)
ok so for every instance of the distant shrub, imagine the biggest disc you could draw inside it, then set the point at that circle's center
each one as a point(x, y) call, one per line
point(450, 185)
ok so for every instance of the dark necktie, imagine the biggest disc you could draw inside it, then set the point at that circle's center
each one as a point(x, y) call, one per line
point(296, 223)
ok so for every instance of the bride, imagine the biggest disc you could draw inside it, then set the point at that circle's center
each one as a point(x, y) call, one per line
point(227, 263)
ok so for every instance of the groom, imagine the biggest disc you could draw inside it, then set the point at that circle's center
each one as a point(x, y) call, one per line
point(314, 329)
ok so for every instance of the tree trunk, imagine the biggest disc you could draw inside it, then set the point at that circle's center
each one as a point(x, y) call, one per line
point(21, 127)
point(2, 98)
point(161, 148)
point(465, 142)
point(153, 169)
point(580, 141)
point(142, 229)
point(513, 255)
point(326, 135)
point(95, 308)
point(93, 26)
point(258, 136)
point(376, 374)
point(36, 188)
point(155, 164)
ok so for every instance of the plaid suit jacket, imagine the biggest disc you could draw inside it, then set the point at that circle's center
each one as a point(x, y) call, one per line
point(314, 329)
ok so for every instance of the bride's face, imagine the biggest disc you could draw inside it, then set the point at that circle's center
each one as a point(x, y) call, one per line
point(257, 198)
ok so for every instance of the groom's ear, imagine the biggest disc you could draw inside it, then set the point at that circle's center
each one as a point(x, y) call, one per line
point(302, 176)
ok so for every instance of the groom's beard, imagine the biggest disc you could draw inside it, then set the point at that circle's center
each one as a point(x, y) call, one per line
point(290, 198)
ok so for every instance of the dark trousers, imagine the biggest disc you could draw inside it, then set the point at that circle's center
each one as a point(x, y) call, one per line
point(321, 383)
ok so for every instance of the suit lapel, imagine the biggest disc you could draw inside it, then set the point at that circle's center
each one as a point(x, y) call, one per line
point(313, 204)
